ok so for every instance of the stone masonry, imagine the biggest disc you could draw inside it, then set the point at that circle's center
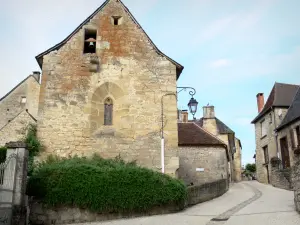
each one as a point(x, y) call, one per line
point(210, 124)
point(16, 129)
point(130, 71)
point(11, 104)
point(272, 120)
point(212, 159)
point(285, 132)
point(237, 162)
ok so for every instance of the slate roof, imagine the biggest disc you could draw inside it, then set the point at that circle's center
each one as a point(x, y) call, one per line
point(222, 127)
point(192, 134)
point(17, 87)
point(293, 112)
point(281, 95)
point(39, 58)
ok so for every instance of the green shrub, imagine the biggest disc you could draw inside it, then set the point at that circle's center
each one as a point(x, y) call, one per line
point(103, 185)
point(2, 154)
point(33, 145)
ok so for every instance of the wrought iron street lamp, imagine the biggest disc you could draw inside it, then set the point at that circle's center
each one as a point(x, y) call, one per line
point(193, 104)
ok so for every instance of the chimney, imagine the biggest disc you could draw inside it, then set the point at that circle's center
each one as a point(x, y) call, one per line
point(260, 101)
point(208, 112)
point(209, 120)
point(37, 75)
point(184, 116)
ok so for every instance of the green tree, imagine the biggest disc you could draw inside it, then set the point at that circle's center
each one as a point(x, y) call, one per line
point(251, 167)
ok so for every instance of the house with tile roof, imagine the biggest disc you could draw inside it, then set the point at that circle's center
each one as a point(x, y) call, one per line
point(214, 125)
point(275, 126)
point(18, 108)
point(203, 158)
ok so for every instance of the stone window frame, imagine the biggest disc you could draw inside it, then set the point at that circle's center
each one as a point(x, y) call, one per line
point(108, 109)
point(285, 158)
point(21, 100)
point(263, 125)
point(266, 156)
point(117, 20)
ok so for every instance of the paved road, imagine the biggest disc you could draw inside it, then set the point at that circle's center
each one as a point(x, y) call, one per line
point(246, 203)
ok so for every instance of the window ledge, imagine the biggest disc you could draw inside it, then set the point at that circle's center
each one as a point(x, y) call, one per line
point(263, 137)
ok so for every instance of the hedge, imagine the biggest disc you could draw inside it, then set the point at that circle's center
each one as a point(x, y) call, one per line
point(103, 186)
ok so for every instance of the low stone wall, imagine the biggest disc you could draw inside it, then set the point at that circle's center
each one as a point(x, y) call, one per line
point(281, 178)
point(42, 215)
point(206, 192)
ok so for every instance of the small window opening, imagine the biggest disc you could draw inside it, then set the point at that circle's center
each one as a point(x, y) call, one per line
point(108, 111)
point(7, 110)
point(117, 20)
point(90, 39)
point(23, 100)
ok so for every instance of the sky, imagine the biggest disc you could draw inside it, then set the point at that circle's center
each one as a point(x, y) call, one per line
point(231, 49)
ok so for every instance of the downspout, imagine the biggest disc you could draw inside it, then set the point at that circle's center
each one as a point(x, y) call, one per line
point(275, 133)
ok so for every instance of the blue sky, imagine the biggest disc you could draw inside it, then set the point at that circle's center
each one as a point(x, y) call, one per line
point(231, 49)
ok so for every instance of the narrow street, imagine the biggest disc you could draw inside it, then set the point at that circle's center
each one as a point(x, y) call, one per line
point(246, 203)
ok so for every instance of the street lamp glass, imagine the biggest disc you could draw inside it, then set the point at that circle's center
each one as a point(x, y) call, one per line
point(193, 104)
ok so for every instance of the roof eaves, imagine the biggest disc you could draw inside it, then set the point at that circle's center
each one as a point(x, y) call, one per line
point(19, 84)
point(31, 116)
point(213, 136)
point(59, 45)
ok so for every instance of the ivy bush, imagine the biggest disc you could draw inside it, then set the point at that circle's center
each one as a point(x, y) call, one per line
point(104, 186)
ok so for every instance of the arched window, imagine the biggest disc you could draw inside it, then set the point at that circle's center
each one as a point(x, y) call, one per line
point(108, 111)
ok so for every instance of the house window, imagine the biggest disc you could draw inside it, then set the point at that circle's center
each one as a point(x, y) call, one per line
point(263, 128)
point(117, 20)
point(23, 100)
point(285, 156)
point(266, 154)
point(298, 134)
point(90, 39)
point(270, 117)
point(108, 112)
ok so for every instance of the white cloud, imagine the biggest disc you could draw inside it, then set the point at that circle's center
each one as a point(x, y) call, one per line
point(220, 63)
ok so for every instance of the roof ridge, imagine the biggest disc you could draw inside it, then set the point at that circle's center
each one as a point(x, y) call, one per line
point(17, 117)
point(212, 135)
point(8, 93)
point(59, 45)
point(284, 122)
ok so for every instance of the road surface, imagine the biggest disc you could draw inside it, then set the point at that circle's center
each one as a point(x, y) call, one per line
point(246, 203)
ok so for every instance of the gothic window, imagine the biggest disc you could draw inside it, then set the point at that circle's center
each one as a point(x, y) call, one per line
point(108, 111)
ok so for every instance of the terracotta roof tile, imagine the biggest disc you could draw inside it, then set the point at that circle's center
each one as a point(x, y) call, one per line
point(192, 134)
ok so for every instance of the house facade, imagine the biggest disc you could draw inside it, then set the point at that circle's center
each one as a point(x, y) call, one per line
point(101, 92)
point(18, 108)
point(269, 142)
point(215, 126)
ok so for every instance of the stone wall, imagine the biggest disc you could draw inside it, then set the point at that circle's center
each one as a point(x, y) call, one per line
point(237, 162)
point(296, 184)
point(272, 121)
point(16, 129)
point(41, 215)
point(286, 133)
point(128, 70)
point(11, 105)
point(211, 160)
point(206, 192)
point(281, 178)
